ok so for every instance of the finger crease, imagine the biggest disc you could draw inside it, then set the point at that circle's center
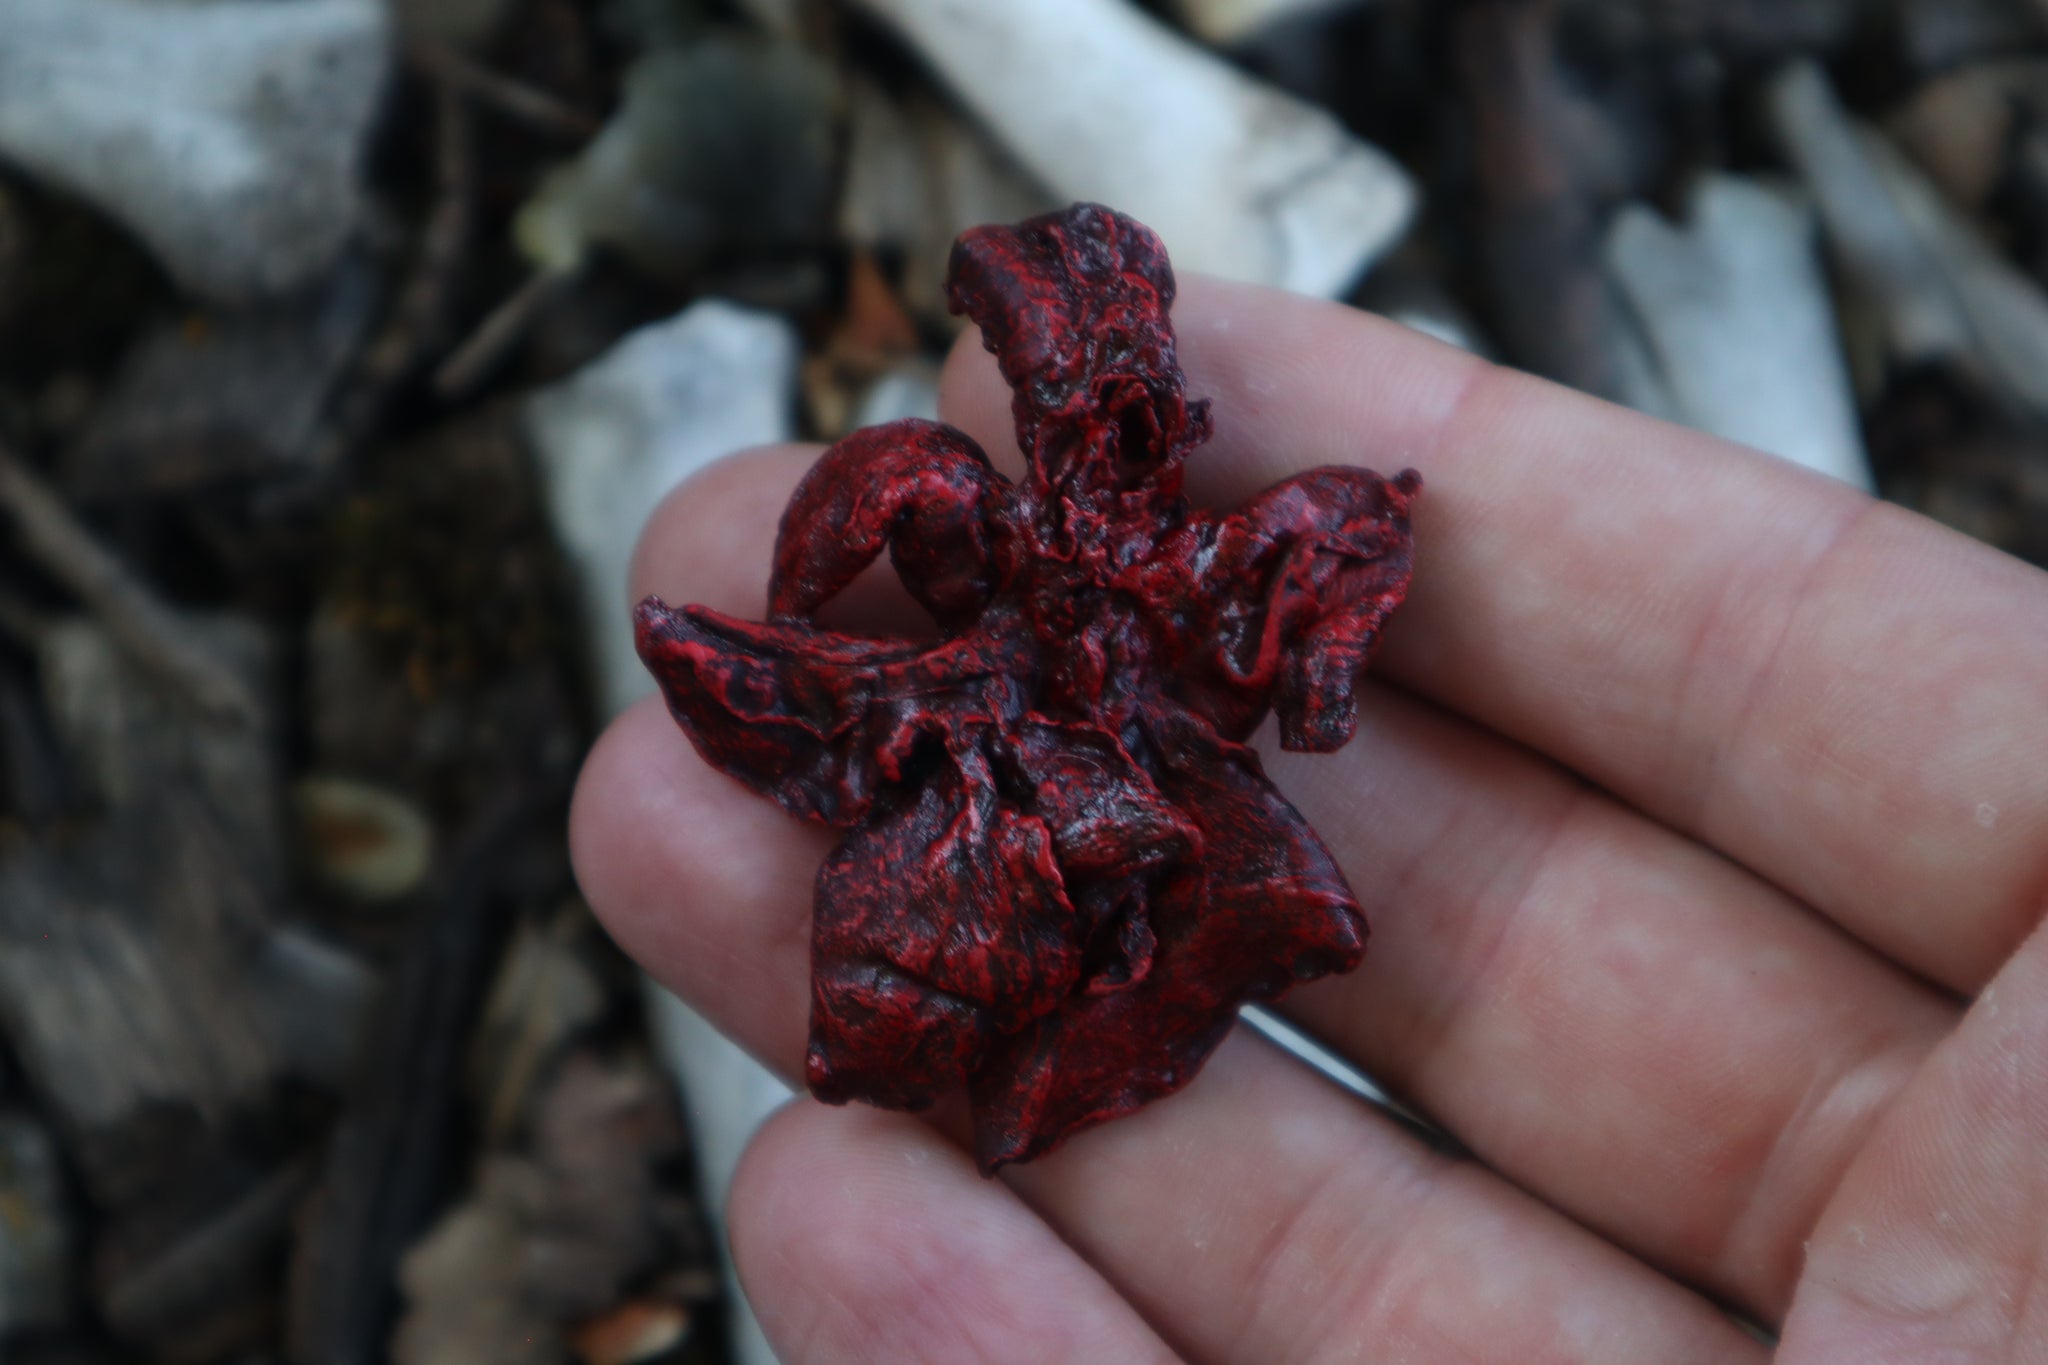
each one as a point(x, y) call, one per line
point(1705, 782)
point(1760, 1219)
point(1281, 1278)
point(1477, 385)
point(1524, 875)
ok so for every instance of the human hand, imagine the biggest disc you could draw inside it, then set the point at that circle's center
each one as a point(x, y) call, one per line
point(1693, 800)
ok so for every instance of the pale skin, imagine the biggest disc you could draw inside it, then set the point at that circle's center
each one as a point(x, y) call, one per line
point(1700, 809)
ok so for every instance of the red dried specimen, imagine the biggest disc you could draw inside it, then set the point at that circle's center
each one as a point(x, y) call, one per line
point(1063, 870)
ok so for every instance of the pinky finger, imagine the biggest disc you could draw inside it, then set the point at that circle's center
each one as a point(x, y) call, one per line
point(864, 1236)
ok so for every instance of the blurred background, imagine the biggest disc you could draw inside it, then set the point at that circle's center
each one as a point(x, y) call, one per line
point(344, 345)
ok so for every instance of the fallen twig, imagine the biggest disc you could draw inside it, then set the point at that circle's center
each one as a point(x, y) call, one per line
point(419, 311)
point(135, 616)
point(500, 330)
point(152, 1303)
point(517, 99)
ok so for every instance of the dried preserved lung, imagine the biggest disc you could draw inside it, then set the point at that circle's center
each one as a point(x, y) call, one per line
point(1062, 869)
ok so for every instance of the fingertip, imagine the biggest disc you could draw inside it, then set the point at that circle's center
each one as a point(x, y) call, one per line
point(704, 885)
point(711, 538)
point(603, 810)
point(807, 1200)
point(964, 1270)
point(768, 1181)
point(811, 1163)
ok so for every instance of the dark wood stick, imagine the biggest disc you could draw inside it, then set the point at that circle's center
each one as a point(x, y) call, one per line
point(130, 610)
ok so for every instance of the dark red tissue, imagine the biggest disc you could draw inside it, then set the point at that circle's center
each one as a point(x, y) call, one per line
point(1062, 870)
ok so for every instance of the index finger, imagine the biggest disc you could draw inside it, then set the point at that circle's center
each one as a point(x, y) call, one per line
point(1842, 695)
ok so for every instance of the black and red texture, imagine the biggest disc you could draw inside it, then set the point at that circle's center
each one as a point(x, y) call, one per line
point(1063, 870)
